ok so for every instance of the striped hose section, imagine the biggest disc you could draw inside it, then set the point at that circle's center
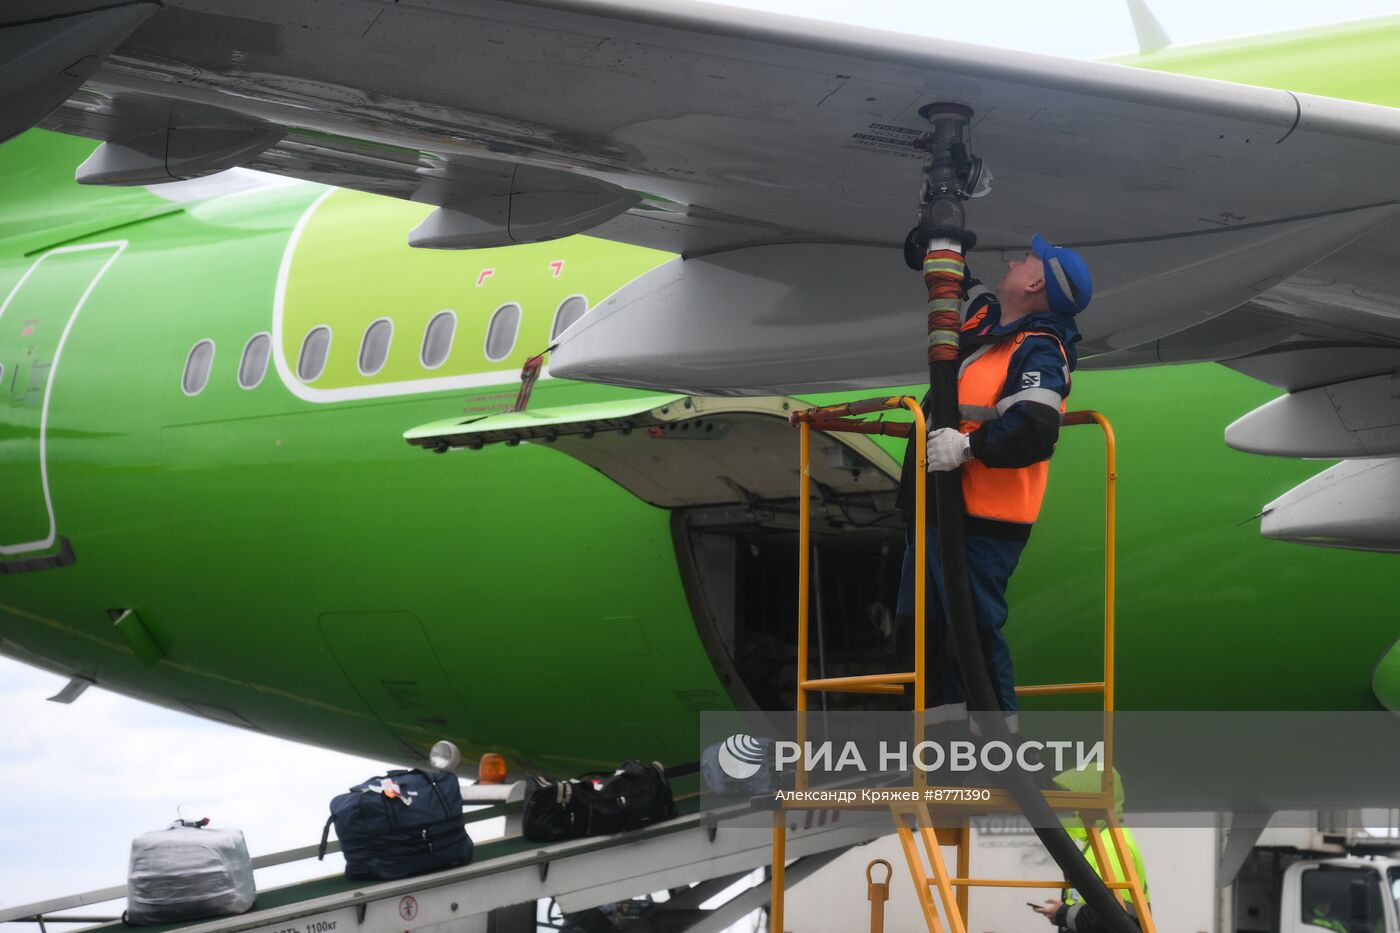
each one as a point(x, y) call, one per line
point(944, 270)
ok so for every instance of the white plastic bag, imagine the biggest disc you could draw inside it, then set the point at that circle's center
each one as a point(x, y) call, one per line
point(186, 872)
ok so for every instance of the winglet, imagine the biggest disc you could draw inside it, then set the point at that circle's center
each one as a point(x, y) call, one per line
point(1150, 34)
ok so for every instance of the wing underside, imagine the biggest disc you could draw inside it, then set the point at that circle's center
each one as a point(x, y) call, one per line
point(775, 156)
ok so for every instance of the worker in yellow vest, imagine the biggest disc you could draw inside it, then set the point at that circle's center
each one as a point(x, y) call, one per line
point(1070, 912)
point(1319, 914)
point(1017, 351)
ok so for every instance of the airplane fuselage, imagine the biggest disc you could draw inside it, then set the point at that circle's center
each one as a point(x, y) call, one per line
point(302, 571)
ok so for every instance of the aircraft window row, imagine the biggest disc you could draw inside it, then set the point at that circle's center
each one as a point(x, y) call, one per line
point(502, 332)
point(252, 365)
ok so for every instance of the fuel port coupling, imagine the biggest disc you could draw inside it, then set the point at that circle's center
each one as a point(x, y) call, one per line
point(951, 175)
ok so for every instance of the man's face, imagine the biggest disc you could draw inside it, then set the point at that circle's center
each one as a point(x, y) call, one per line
point(1023, 275)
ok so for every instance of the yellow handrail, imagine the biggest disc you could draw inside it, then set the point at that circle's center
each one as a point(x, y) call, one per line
point(862, 683)
point(1046, 690)
point(1110, 584)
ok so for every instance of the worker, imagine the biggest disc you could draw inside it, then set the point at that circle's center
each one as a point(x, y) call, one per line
point(1319, 914)
point(1017, 352)
point(1070, 912)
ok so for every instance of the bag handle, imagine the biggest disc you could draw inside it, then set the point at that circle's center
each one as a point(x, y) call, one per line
point(675, 771)
point(387, 774)
point(325, 838)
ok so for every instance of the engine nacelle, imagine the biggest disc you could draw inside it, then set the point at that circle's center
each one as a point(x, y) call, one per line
point(175, 154)
point(1359, 418)
point(1355, 504)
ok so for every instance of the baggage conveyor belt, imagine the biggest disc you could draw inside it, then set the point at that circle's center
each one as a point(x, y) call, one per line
point(577, 873)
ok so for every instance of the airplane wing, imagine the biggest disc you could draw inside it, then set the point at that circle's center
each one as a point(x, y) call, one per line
point(774, 156)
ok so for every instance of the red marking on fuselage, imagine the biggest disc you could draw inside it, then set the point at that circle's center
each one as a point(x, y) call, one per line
point(483, 275)
point(557, 266)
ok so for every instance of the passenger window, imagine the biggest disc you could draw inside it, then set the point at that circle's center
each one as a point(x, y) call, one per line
point(437, 339)
point(374, 348)
point(502, 331)
point(570, 310)
point(197, 366)
point(315, 347)
point(253, 365)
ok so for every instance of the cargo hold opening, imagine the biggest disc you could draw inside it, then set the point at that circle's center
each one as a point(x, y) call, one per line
point(739, 561)
point(742, 582)
point(727, 469)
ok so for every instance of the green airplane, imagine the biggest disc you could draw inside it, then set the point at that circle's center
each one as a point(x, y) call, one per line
point(209, 503)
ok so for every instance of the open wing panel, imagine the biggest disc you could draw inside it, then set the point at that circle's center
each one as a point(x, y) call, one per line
point(674, 451)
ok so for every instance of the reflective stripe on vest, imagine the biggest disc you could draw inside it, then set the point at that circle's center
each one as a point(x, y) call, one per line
point(1003, 494)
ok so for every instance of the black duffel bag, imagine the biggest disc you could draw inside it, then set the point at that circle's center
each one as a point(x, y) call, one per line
point(400, 824)
point(597, 804)
point(641, 792)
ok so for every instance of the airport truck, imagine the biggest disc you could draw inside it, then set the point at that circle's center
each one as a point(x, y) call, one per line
point(1346, 895)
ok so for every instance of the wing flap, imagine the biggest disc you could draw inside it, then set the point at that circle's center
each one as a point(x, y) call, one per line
point(541, 423)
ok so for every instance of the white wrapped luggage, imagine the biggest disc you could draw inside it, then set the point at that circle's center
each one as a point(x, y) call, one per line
point(187, 872)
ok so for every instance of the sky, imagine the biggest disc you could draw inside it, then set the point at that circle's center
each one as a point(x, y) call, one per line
point(1078, 28)
point(83, 780)
point(86, 779)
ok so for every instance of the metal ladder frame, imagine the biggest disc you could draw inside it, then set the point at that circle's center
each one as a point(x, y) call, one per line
point(913, 821)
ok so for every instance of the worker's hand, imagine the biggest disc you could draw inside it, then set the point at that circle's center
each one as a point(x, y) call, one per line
point(1051, 908)
point(948, 449)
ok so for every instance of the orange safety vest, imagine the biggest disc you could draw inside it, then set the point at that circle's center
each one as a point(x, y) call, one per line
point(1004, 494)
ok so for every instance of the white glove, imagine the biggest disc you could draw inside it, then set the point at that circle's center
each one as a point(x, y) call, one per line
point(948, 449)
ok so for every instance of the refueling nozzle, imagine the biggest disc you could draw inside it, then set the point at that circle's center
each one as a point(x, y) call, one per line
point(952, 174)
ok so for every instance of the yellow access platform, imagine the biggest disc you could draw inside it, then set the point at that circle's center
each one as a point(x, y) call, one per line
point(914, 821)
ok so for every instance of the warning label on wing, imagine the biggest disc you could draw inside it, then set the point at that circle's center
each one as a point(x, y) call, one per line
point(886, 137)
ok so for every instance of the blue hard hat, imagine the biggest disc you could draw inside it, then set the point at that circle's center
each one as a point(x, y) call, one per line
point(1067, 282)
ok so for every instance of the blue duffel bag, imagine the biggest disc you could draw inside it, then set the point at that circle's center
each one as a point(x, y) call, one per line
point(741, 765)
point(400, 824)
